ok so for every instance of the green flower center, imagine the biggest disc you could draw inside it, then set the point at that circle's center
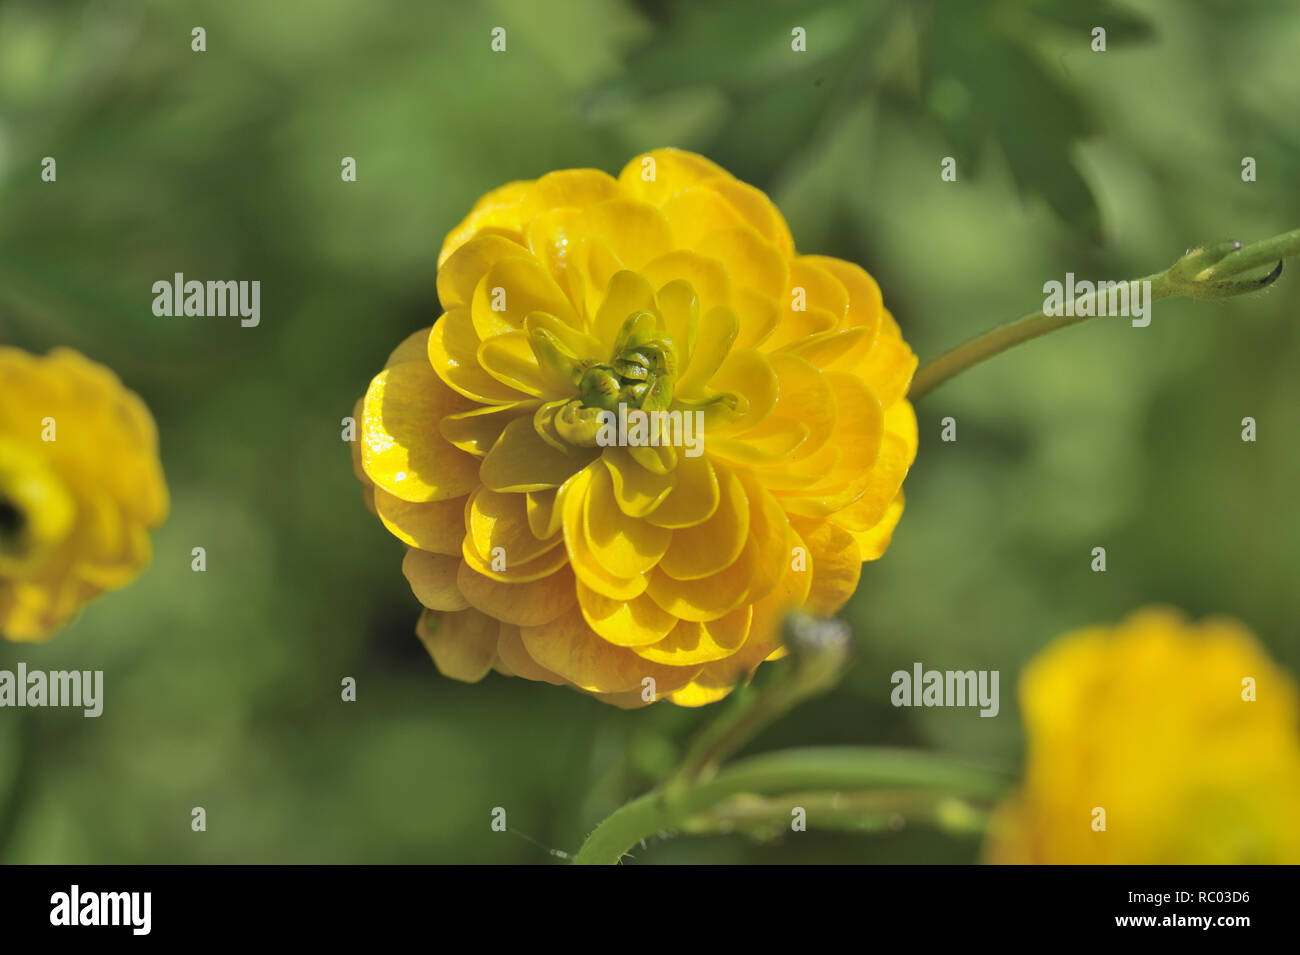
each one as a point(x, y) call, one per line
point(639, 375)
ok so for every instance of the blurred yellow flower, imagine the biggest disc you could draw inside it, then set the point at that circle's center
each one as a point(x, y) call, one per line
point(1180, 739)
point(80, 488)
point(548, 543)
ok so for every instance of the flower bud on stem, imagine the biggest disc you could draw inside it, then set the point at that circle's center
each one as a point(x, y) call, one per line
point(1204, 273)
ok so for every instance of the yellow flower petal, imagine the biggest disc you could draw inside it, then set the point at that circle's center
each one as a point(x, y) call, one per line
point(890, 363)
point(691, 643)
point(453, 353)
point(415, 347)
point(873, 541)
point(459, 274)
point(463, 645)
point(679, 307)
point(750, 577)
point(836, 561)
point(511, 652)
point(543, 513)
point(510, 360)
point(522, 461)
point(694, 498)
point(897, 451)
point(774, 447)
point(569, 647)
point(477, 430)
point(499, 528)
point(634, 231)
point(523, 604)
point(747, 373)
point(749, 258)
point(433, 580)
point(576, 188)
point(400, 451)
point(435, 526)
point(865, 305)
point(825, 349)
point(716, 543)
point(587, 568)
point(624, 546)
point(759, 316)
point(510, 290)
point(757, 210)
point(666, 173)
point(701, 692)
point(552, 236)
point(697, 211)
point(717, 331)
point(839, 472)
point(624, 623)
point(626, 294)
point(500, 568)
point(637, 492)
point(502, 210)
point(708, 277)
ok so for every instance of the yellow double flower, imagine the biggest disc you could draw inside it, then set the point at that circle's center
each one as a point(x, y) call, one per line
point(636, 572)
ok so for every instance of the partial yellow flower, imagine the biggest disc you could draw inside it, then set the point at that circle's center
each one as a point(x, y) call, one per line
point(636, 572)
point(80, 488)
point(1181, 739)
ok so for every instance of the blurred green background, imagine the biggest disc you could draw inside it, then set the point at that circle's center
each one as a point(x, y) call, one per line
point(223, 688)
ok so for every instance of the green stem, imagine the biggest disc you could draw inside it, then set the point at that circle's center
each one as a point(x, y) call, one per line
point(818, 651)
point(793, 770)
point(1201, 273)
point(956, 360)
point(20, 779)
point(1256, 255)
point(753, 709)
point(873, 810)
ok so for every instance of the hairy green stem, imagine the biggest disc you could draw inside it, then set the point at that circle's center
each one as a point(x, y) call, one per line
point(874, 810)
point(833, 769)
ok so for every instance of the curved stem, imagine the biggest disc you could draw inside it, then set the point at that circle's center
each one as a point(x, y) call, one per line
point(785, 772)
point(871, 810)
point(1205, 273)
point(956, 360)
point(1256, 255)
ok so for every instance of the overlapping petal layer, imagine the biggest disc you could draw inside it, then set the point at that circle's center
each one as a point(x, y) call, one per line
point(81, 486)
point(633, 569)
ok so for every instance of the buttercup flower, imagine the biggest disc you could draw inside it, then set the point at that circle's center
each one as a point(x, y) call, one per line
point(1180, 738)
point(550, 537)
point(80, 488)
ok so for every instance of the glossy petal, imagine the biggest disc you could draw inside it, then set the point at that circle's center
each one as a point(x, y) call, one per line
point(623, 546)
point(401, 453)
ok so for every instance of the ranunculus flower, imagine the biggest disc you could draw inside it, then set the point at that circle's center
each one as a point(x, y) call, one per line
point(81, 486)
point(543, 551)
point(1152, 722)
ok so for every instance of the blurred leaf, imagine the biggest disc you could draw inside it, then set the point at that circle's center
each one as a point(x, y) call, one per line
point(997, 87)
point(1121, 25)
